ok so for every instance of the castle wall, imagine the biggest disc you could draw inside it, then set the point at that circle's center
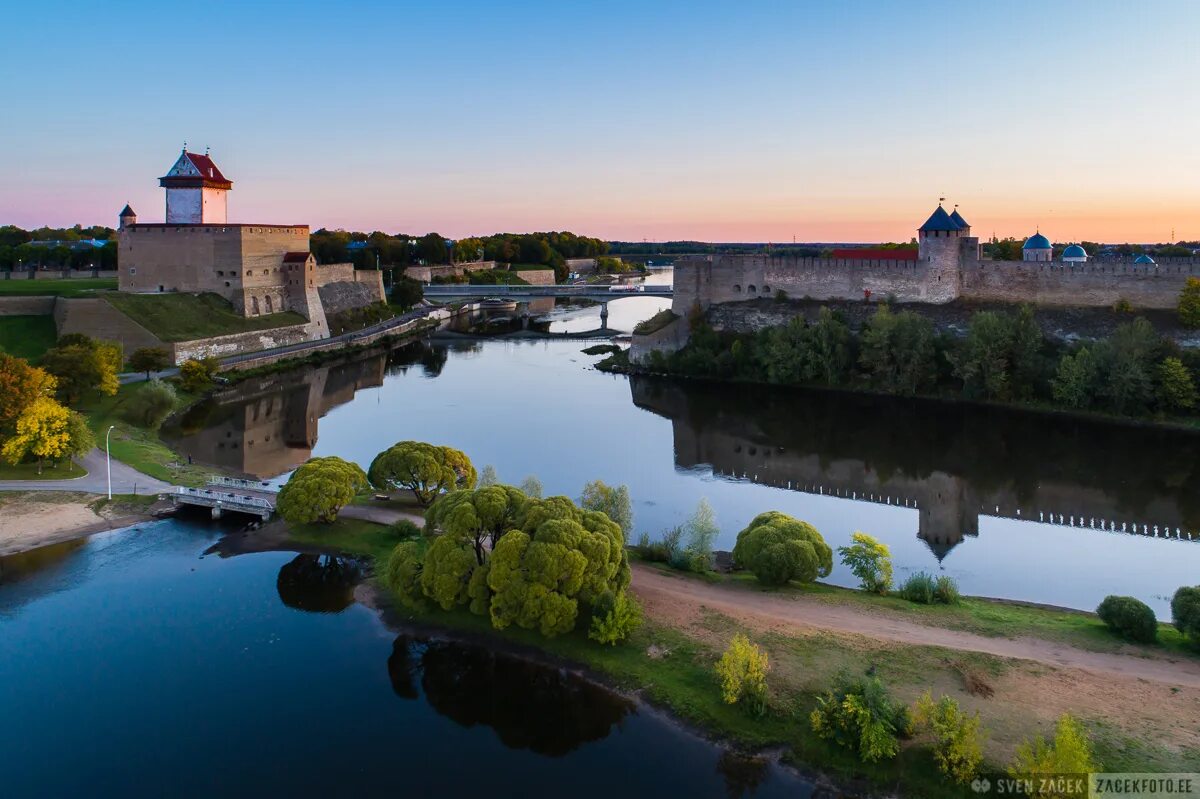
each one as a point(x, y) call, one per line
point(1094, 284)
point(97, 318)
point(26, 306)
point(239, 343)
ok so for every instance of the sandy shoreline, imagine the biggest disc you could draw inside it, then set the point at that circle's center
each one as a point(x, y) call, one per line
point(29, 520)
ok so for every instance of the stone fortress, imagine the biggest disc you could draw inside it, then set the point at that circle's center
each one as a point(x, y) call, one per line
point(258, 268)
point(948, 266)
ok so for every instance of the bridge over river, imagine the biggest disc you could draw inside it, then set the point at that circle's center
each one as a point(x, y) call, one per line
point(223, 494)
point(575, 291)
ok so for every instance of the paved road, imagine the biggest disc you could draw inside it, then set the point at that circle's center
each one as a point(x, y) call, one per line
point(125, 479)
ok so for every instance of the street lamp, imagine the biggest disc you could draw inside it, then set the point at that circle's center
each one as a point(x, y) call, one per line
point(108, 459)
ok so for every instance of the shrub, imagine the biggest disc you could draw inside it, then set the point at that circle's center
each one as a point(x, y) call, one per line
point(945, 590)
point(919, 587)
point(197, 375)
point(403, 573)
point(615, 619)
point(147, 408)
point(778, 549)
point(1176, 389)
point(702, 531)
point(614, 502)
point(743, 672)
point(860, 715)
point(870, 561)
point(1123, 306)
point(1189, 303)
point(1129, 618)
point(406, 529)
point(1185, 611)
point(1070, 753)
point(957, 737)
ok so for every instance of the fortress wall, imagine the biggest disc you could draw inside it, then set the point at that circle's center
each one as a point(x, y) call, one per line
point(1096, 284)
point(95, 317)
point(26, 306)
point(537, 277)
point(240, 343)
point(705, 280)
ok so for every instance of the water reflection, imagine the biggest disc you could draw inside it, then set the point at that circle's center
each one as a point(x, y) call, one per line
point(319, 583)
point(529, 705)
point(267, 426)
point(953, 463)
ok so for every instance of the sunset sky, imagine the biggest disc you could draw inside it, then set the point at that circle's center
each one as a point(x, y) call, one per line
point(725, 121)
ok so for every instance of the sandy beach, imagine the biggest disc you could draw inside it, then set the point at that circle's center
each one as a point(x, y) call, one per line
point(33, 519)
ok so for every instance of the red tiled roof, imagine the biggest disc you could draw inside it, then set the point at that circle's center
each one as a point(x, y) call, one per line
point(206, 167)
point(874, 254)
point(295, 257)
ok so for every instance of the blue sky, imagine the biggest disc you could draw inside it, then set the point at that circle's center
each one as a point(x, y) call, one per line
point(717, 121)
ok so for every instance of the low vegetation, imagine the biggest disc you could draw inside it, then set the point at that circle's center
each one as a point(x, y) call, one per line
point(69, 287)
point(742, 671)
point(185, 317)
point(778, 549)
point(27, 337)
point(925, 589)
point(1129, 618)
point(655, 323)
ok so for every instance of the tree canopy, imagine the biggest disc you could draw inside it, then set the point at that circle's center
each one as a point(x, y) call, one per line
point(778, 549)
point(43, 430)
point(319, 489)
point(83, 364)
point(20, 384)
point(426, 470)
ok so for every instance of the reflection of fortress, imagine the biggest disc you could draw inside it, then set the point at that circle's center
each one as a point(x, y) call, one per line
point(263, 428)
point(952, 465)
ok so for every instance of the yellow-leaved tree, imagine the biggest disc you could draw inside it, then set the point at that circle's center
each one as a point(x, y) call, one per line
point(743, 672)
point(42, 430)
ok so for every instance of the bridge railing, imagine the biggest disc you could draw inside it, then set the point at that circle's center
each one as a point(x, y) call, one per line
point(208, 496)
point(237, 482)
point(476, 290)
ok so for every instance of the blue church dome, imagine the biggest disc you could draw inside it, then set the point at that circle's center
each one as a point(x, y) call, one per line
point(1143, 259)
point(1074, 251)
point(1037, 242)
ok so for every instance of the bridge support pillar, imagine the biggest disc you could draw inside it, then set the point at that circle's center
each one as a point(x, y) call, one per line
point(216, 512)
point(604, 316)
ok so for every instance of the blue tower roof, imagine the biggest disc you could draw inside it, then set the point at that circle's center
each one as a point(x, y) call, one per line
point(1143, 259)
point(941, 221)
point(1037, 242)
point(1074, 251)
point(957, 219)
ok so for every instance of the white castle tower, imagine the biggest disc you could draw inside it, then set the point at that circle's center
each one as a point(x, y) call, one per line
point(197, 192)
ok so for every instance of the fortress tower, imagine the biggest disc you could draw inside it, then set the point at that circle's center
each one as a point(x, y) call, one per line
point(943, 241)
point(197, 192)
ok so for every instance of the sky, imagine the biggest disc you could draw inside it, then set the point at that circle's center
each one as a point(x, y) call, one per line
point(713, 121)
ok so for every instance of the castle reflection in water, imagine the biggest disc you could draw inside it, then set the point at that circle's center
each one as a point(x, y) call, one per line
point(952, 463)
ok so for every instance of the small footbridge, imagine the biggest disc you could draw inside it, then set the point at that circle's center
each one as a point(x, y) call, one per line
point(227, 494)
point(598, 293)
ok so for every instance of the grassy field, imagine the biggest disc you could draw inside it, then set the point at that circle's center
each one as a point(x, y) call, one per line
point(184, 317)
point(137, 447)
point(29, 471)
point(75, 287)
point(27, 337)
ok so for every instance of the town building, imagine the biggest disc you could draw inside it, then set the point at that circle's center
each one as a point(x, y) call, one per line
point(1037, 248)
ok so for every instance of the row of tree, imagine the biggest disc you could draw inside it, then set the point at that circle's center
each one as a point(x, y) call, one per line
point(1003, 357)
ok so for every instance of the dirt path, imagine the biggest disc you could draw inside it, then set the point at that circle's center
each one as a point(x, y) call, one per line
point(680, 596)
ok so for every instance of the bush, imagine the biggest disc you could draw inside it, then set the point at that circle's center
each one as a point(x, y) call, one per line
point(1123, 306)
point(743, 672)
point(1185, 611)
point(1129, 618)
point(406, 529)
point(1176, 389)
point(870, 561)
point(197, 375)
point(923, 588)
point(957, 738)
point(1071, 753)
point(1189, 303)
point(615, 619)
point(148, 407)
point(778, 549)
point(860, 715)
point(403, 573)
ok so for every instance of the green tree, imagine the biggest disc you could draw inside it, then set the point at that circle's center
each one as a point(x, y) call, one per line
point(1129, 618)
point(899, 351)
point(560, 557)
point(701, 533)
point(982, 360)
point(870, 561)
point(778, 548)
point(1176, 389)
point(406, 292)
point(81, 364)
point(1127, 361)
point(1070, 753)
point(742, 670)
point(615, 618)
point(1185, 611)
point(149, 359)
point(613, 502)
point(1076, 383)
point(320, 488)
point(447, 576)
point(477, 516)
point(532, 487)
point(80, 439)
point(1189, 303)
point(488, 477)
point(150, 405)
point(860, 715)
point(831, 353)
point(424, 469)
point(403, 573)
point(957, 737)
point(197, 374)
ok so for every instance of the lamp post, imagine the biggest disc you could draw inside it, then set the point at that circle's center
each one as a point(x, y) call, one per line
point(108, 459)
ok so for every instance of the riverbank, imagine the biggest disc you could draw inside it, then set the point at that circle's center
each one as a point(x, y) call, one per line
point(29, 520)
point(1021, 673)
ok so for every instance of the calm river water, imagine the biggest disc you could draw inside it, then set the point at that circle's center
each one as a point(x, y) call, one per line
point(134, 665)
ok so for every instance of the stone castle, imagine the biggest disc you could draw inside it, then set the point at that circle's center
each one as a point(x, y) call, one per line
point(949, 265)
point(259, 269)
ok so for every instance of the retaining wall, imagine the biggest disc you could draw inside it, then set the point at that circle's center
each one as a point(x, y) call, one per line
point(96, 318)
point(26, 306)
point(239, 343)
point(537, 277)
